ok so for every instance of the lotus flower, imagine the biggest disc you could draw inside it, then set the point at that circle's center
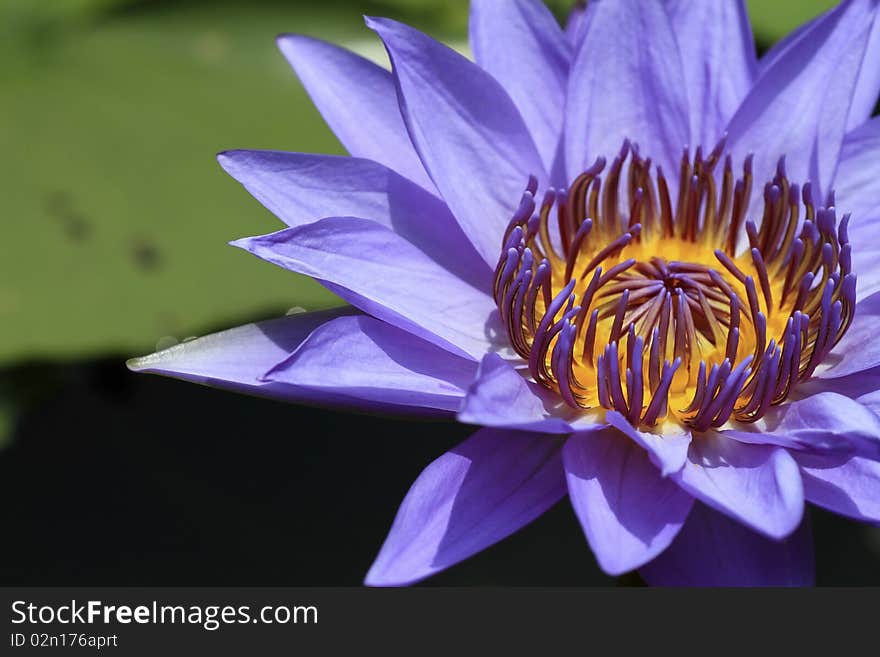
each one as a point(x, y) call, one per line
point(615, 248)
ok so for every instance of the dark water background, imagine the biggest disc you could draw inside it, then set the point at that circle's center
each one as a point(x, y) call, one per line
point(115, 478)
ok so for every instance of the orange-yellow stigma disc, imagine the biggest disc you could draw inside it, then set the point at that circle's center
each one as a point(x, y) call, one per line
point(653, 310)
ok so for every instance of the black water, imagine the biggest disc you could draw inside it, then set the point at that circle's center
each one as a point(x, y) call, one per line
point(114, 478)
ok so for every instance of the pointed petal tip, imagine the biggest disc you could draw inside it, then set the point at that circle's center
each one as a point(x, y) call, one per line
point(612, 566)
point(138, 364)
point(376, 23)
point(226, 159)
point(151, 363)
point(374, 582)
point(290, 42)
point(385, 578)
point(257, 244)
point(244, 243)
point(239, 162)
point(786, 530)
point(390, 28)
point(284, 37)
point(372, 21)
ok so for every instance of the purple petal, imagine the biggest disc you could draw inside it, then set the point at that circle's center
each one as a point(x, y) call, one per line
point(823, 423)
point(668, 451)
point(301, 188)
point(500, 397)
point(358, 100)
point(468, 132)
point(857, 186)
point(534, 71)
point(870, 399)
point(857, 190)
point(576, 22)
point(851, 488)
point(368, 359)
point(866, 255)
point(780, 47)
point(387, 277)
point(827, 443)
point(864, 387)
point(757, 485)
point(868, 85)
point(626, 82)
point(238, 358)
point(800, 104)
point(713, 550)
point(629, 513)
point(859, 349)
point(719, 61)
point(473, 496)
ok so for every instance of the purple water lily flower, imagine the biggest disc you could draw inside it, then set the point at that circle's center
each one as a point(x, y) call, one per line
point(615, 247)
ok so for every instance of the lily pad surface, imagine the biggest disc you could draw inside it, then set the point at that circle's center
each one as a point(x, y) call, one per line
point(115, 214)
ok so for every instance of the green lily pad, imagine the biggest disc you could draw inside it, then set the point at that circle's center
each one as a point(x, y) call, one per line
point(773, 20)
point(115, 214)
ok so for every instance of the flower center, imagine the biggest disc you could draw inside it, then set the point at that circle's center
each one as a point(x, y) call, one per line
point(652, 309)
